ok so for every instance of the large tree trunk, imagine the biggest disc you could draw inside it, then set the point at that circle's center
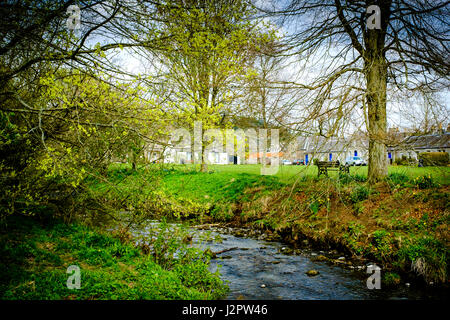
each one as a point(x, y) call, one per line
point(375, 67)
point(376, 106)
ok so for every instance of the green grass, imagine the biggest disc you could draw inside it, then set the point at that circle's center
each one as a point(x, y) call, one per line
point(35, 259)
point(218, 186)
point(289, 174)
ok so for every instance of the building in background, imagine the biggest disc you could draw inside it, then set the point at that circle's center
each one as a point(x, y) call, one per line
point(412, 145)
point(331, 149)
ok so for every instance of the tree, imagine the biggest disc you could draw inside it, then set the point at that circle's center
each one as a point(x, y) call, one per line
point(270, 99)
point(370, 47)
point(61, 116)
point(210, 45)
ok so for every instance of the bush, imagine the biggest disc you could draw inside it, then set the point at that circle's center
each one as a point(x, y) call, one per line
point(391, 278)
point(359, 194)
point(428, 257)
point(424, 182)
point(404, 161)
point(434, 158)
point(346, 178)
point(398, 178)
point(382, 242)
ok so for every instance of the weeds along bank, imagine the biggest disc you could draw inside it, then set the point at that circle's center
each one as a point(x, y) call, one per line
point(401, 223)
point(36, 254)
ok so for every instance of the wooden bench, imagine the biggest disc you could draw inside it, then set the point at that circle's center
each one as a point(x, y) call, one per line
point(324, 166)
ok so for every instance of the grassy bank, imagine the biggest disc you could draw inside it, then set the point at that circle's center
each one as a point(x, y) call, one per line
point(401, 223)
point(36, 255)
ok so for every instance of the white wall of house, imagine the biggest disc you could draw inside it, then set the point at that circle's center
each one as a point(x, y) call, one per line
point(414, 154)
point(337, 155)
point(183, 157)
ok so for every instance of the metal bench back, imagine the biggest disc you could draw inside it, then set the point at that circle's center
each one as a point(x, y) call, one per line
point(328, 164)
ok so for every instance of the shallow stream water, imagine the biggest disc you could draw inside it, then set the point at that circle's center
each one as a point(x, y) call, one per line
point(260, 269)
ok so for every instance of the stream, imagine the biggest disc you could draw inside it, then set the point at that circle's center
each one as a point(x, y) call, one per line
point(258, 269)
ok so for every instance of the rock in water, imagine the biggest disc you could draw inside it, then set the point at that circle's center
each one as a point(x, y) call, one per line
point(320, 258)
point(312, 273)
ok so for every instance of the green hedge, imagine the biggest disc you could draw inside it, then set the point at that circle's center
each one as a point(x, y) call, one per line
point(404, 161)
point(434, 158)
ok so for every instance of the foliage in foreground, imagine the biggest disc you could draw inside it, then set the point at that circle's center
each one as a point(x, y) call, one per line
point(35, 259)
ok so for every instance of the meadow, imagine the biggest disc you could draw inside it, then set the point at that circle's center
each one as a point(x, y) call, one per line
point(289, 173)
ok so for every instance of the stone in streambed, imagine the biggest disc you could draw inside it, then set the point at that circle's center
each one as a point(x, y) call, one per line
point(240, 233)
point(320, 258)
point(286, 250)
point(339, 261)
point(312, 273)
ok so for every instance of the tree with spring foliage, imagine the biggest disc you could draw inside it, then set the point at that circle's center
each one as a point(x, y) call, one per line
point(206, 56)
point(62, 117)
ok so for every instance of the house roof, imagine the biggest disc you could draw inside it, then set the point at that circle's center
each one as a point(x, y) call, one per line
point(319, 144)
point(429, 141)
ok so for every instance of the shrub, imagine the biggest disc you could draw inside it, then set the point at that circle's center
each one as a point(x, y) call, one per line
point(352, 235)
point(360, 193)
point(346, 178)
point(424, 182)
point(434, 158)
point(381, 240)
point(404, 161)
point(428, 257)
point(359, 178)
point(391, 278)
point(398, 178)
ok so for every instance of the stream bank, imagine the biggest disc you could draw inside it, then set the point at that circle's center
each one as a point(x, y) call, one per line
point(256, 266)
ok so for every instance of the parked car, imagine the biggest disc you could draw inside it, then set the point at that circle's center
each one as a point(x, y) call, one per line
point(298, 162)
point(355, 161)
point(286, 162)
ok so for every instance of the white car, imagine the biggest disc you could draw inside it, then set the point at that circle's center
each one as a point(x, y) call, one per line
point(355, 161)
point(286, 162)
